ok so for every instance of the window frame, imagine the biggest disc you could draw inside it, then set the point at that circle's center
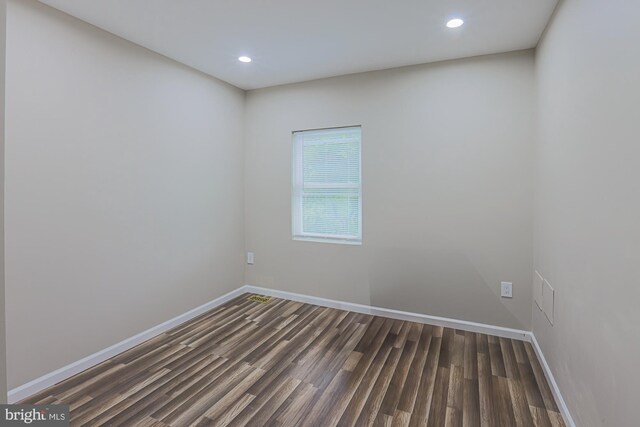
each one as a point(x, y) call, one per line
point(297, 183)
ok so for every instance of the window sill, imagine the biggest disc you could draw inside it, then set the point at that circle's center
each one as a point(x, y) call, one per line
point(323, 240)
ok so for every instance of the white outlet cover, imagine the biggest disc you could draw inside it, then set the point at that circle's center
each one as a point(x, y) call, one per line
point(537, 289)
point(548, 297)
point(506, 289)
point(250, 258)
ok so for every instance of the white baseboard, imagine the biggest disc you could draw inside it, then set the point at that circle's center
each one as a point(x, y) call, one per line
point(564, 410)
point(396, 314)
point(68, 371)
point(432, 320)
point(47, 380)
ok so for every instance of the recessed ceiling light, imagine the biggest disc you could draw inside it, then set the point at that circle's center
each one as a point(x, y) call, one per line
point(455, 23)
point(244, 59)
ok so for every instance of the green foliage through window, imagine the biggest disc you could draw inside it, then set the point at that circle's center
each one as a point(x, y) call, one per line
point(327, 188)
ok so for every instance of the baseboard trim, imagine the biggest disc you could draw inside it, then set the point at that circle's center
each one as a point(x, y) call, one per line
point(47, 380)
point(432, 320)
point(395, 314)
point(52, 378)
point(564, 410)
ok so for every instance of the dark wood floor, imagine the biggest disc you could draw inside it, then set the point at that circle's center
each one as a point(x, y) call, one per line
point(292, 364)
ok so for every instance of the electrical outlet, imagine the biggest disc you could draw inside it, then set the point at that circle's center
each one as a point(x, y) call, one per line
point(506, 289)
point(250, 258)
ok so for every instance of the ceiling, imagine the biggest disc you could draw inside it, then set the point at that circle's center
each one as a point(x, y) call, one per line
point(297, 40)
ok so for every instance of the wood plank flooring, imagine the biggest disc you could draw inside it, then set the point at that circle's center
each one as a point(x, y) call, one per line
point(285, 363)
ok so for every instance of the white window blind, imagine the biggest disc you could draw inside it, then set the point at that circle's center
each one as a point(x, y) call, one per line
point(327, 191)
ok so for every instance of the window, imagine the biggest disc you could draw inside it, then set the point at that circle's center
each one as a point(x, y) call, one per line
point(327, 190)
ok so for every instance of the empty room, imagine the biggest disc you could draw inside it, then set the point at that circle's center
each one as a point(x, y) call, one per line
point(320, 213)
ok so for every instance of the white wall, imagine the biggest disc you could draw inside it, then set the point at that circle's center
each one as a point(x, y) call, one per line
point(3, 326)
point(124, 181)
point(587, 208)
point(447, 188)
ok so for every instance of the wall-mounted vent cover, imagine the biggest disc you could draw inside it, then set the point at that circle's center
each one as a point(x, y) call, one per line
point(538, 284)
